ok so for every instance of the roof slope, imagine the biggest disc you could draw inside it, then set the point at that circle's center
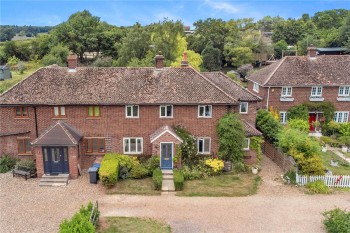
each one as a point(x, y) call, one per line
point(108, 86)
point(250, 130)
point(305, 71)
point(59, 134)
point(230, 87)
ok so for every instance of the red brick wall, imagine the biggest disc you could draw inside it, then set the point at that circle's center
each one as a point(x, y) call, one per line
point(167, 137)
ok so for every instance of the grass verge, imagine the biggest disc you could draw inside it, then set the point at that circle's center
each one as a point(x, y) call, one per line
point(343, 166)
point(132, 224)
point(134, 187)
point(226, 185)
point(16, 78)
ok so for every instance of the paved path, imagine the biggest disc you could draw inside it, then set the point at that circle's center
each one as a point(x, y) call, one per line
point(276, 208)
point(340, 154)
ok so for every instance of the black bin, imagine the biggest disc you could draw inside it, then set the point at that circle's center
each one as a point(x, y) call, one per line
point(93, 171)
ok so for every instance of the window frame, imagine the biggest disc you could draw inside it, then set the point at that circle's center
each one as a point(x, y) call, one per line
point(21, 112)
point(93, 111)
point(204, 106)
point(345, 88)
point(60, 115)
point(316, 95)
point(23, 141)
point(132, 111)
point(91, 139)
point(203, 139)
point(283, 120)
point(240, 107)
point(165, 106)
point(285, 94)
point(256, 87)
point(246, 148)
point(343, 119)
point(129, 152)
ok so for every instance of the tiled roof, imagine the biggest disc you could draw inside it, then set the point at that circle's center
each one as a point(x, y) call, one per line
point(59, 134)
point(162, 130)
point(230, 87)
point(109, 86)
point(250, 130)
point(305, 71)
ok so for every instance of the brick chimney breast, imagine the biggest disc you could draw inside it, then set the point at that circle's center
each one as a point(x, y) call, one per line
point(159, 60)
point(311, 51)
point(184, 62)
point(72, 61)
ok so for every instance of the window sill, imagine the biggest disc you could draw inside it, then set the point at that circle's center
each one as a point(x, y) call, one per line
point(343, 98)
point(316, 99)
point(25, 154)
point(22, 118)
point(95, 153)
point(204, 117)
point(286, 99)
point(58, 118)
point(246, 149)
point(243, 113)
point(132, 153)
point(203, 153)
point(93, 118)
point(165, 117)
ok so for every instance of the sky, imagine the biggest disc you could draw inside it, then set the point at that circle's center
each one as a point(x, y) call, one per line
point(128, 12)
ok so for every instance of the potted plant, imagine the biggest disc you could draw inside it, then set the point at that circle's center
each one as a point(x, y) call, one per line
point(316, 125)
point(255, 169)
point(345, 140)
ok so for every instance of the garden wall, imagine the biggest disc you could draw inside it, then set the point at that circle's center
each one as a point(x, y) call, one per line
point(282, 160)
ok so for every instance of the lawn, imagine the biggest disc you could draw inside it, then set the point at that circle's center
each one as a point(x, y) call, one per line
point(226, 185)
point(134, 187)
point(342, 169)
point(131, 224)
point(16, 77)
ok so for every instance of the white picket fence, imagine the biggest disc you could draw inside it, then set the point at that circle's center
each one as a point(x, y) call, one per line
point(329, 180)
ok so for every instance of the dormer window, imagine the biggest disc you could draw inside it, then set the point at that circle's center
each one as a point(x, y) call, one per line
point(344, 91)
point(316, 91)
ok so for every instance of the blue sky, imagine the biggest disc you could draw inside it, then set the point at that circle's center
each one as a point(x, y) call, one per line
point(126, 13)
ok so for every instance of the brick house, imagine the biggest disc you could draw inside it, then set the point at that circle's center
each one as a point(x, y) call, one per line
point(62, 117)
point(299, 79)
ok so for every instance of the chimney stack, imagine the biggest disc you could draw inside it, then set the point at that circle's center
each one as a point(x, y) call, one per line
point(311, 51)
point(184, 62)
point(159, 60)
point(72, 60)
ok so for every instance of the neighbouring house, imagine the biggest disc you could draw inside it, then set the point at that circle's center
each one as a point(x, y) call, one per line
point(332, 51)
point(63, 116)
point(299, 79)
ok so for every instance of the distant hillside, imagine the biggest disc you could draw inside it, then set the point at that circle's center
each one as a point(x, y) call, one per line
point(7, 32)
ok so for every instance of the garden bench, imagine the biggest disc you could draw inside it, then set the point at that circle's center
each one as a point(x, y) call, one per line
point(23, 171)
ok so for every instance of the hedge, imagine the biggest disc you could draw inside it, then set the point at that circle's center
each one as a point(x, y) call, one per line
point(178, 180)
point(157, 179)
point(109, 169)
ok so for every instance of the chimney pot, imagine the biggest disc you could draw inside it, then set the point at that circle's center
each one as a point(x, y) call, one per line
point(159, 60)
point(312, 51)
point(72, 60)
point(184, 62)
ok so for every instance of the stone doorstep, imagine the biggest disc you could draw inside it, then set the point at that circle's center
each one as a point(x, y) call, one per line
point(167, 172)
point(54, 180)
point(168, 185)
point(168, 177)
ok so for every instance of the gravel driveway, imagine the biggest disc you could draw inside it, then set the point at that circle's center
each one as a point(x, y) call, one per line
point(26, 207)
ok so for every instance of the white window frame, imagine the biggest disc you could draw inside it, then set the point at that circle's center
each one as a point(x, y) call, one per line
point(344, 89)
point(341, 117)
point(283, 117)
point(284, 91)
point(61, 111)
point(246, 148)
point(203, 139)
point(166, 106)
point(204, 106)
point(240, 107)
point(256, 87)
point(316, 88)
point(132, 152)
point(132, 111)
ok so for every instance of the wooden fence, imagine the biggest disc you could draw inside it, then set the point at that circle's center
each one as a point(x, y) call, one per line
point(329, 180)
point(95, 214)
point(282, 160)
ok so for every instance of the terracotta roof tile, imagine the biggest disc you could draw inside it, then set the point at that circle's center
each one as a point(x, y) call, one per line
point(250, 130)
point(305, 71)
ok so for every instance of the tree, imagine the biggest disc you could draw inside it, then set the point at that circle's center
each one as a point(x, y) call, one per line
point(57, 55)
point(304, 43)
point(211, 57)
point(298, 112)
point(279, 47)
point(268, 125)
point(239, 55)
point(79, 33)
point(344, 32)
point(194, 59)
point(290, 31)
point(267, 23)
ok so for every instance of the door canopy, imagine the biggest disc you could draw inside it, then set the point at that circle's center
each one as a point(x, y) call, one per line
point(163, 131)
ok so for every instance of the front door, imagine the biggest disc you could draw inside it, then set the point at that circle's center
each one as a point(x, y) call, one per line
point(312, 118)
point(166, 155)
point(55, 160)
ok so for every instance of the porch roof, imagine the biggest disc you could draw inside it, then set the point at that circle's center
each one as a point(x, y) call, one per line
point(250, 130)
point(162, 130)
point(59, 134)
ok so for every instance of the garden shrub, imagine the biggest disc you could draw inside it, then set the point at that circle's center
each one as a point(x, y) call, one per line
point(188, 147)
point(80, 222)
point(344, 129)
point(326, 107)
point(108, 171)
point(138, 171)
point(290, 177)
point(178, 180)
point(7, 163)
point(268, 125)
point(231, 138)
point(337, 220)
point(255, 144)
point(195, 172)
point(298, 112)
point(310, 165)
point(27, 163)
point(333, 127)
point(333, 142)
point(239, 167)
point(157, 179)
point(216, 165)
point(318, 186)
point(152, 163)
point(299, 124)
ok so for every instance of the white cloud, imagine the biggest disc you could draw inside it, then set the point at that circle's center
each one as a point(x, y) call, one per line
point(222, 6)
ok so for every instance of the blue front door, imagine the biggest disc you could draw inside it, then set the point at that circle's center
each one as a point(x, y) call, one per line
point(166, 155)
point(55, 160)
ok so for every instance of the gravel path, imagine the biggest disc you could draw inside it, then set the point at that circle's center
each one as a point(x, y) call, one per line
point(26, 207)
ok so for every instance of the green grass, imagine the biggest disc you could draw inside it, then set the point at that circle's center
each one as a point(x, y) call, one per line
point(132, 224)
point(347, 155)
point(226, 185)
point(16, 78)
point(134, 187)
point(342, 169)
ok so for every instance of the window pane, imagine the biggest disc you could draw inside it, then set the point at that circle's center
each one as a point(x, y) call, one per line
point(90, 111)
point(45, 155)
point(28, 146)
point(200, 145)
point(65, 154)
point(132, 145)
point(135, 110)
point(20, 146)
point(55, 111)
point(246, 143)
point(95, 145)
point(169, 111)
point(244, 107)
point(89, 145)
point(24, 111)
point(18, 111)
point(201, 111)
point(207, 145)
point(207, 110)
point(63, 111)
point(162, 111)
point(128, 110)
point(126, 145)
point(97, 111)
point(139, 146)
point(102, 145)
